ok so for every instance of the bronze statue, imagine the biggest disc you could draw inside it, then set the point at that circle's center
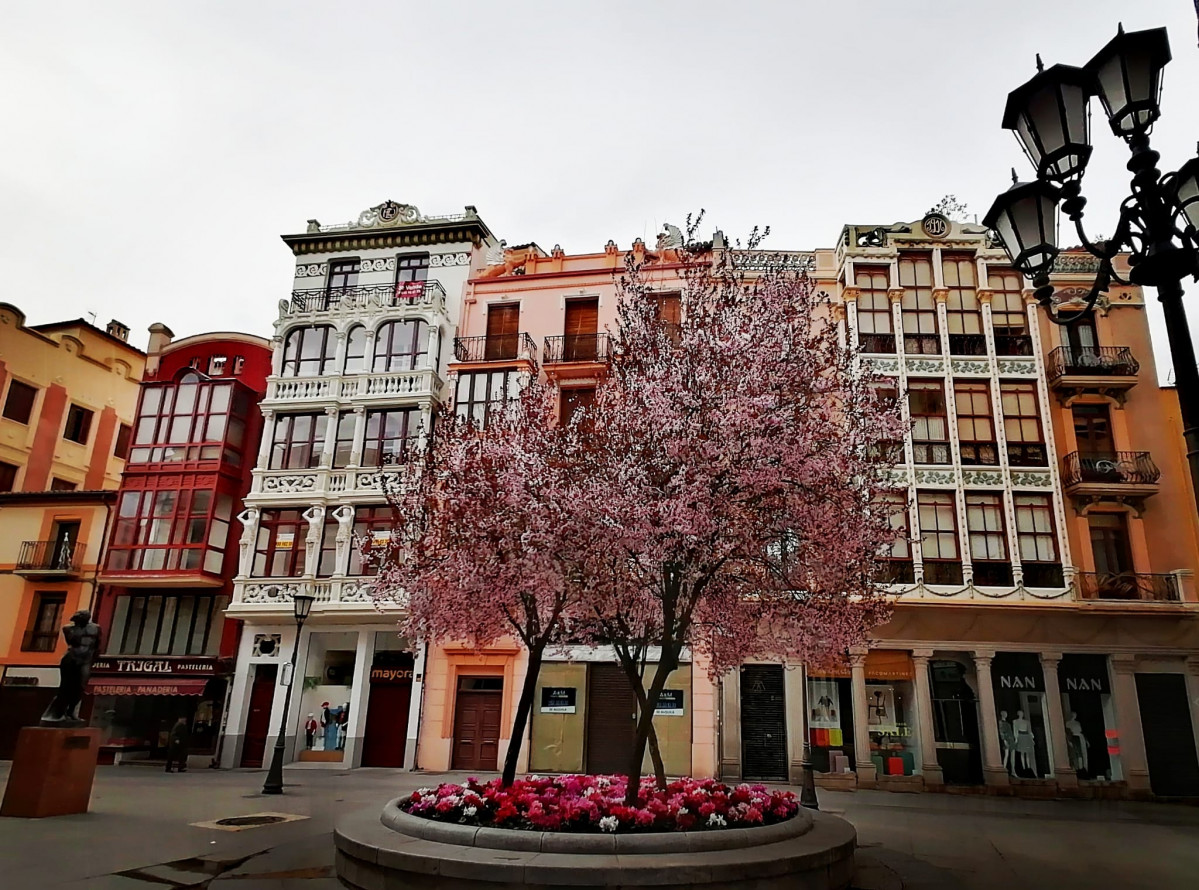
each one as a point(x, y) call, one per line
point(83, 641)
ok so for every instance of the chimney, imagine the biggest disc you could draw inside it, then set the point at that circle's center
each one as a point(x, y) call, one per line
point(118, 329)
point(160, 339)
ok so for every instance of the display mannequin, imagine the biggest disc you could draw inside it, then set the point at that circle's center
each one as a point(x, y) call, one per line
point(1025, 749)
point(1077, 743)
point(343, 722)
point(329, 722)
point(1007, 741)
point(310, 727)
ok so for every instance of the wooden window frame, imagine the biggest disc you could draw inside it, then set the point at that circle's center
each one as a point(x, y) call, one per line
point(267, 553)
point(290, 451)
point(78, 426)
point(400, 346)
point(921, 328)
point(1022, 451)
point(926, 449)
point(375, 450)
point(23, 410)
point(296, 365)
point(975, 450)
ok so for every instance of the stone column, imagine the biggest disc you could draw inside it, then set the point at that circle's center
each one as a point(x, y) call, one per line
point(359, 698)
point(994, 772)
point(867, 774)
point(276, 356)
point(1063, 770)
point(268, 438)
point(330, 438)
point(414, 707)
point(1128, 722)
point(795, 697)
point(359, 436)
point(730, 726)
point(924, 704)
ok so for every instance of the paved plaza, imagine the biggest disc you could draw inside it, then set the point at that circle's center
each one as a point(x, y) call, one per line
point(140, 835)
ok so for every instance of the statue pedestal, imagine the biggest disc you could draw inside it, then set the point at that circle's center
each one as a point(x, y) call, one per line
point(52, 772)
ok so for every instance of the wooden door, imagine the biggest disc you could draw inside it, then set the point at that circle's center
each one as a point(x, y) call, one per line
point(386, 730)
point(1093, 430)
point(611, 720)
point(477, 723)
point(763, 723)
point(582, 323)
point(258, 721)
point(1109, 543)
point(1082, 340)
point(502, 323)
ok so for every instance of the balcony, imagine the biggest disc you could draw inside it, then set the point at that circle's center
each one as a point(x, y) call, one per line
point(1127, 586)
point(967, 344)
point(358, 299)
point(344, 484)
point(50, 559)
point(1119, 476)
point(275, 595)
point(496, 348)
point(418, 384)
point(591, 348)
point(877, 344)
point(1103, 370)
point(1013, 344)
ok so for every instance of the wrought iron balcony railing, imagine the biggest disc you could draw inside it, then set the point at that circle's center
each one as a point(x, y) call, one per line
point(1013, 344)
point(496, 348)
point(1111, 467)
point(50, 557)
point(1095, 361)
point(1127, 586)
point(878, 344)
point(39, 641)
point(400, 293)
point(575, 348)
point(967, 344)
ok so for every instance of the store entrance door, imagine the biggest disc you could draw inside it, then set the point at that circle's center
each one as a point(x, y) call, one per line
point(611, 720)
point(477, 723)
point(955, 723)
point(763, 723)
point(1169, 736)
point(386, 730)
point(262, 694)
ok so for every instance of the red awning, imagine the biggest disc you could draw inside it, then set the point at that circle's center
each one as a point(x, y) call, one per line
point(144, 686)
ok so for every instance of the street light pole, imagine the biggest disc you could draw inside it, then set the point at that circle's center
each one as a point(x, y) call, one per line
point(302, 604)
point(807, 790)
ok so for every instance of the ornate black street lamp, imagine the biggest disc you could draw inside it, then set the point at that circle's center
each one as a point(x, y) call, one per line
point(807, 788)
point(1159, 220)
point(302, 604)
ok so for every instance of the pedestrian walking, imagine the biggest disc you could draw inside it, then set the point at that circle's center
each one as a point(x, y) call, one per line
point(177, 745)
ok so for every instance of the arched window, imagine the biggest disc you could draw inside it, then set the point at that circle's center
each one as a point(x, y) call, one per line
point(309, 352)
point(356, 350)
point(400, 345)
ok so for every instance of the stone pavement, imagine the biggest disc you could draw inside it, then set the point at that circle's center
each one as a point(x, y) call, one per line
point(140, 835)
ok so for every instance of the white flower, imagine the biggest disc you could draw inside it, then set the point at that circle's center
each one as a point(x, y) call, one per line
point(603, 781)
point(716, 821)
point(470, 811)
point(423, 792)
point(683, 811)
point(589, 792)
point(608, 823)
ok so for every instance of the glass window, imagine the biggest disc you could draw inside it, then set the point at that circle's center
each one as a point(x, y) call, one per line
point(8, 476)
point(343, 445)
point(482, 392)
point(279, 549)
point(120, 448)
point(1019, 688)
point(1022, 425)
point(920, 332)
point(343, 275)
point(390, 436)
point(988, 539)
point(168, 530)
point(1007, 303)
point(930, 428)
point(298, 441)
point(356, 350)
point(401, 346)
point(18, 405)
point(937, 514)
point(160, 624)
point(79, 424)
point(45, 622)
point(899, 554)
point(1037, 540)
point(976, 426)
point(372, 526)
point(874, 309)
point(963, 315)
point(182, 421)
point(309, 352)
point(412, 270)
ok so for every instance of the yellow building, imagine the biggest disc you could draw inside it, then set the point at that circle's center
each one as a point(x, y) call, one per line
point(68, 391)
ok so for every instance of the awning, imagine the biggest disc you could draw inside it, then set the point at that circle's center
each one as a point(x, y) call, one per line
point(145, 686)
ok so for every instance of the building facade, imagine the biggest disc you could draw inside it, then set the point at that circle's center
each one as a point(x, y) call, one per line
point(172, 548)
point(67, 397)
point(359, 363)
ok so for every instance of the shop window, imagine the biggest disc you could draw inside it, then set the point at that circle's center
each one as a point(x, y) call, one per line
point(920, 331)
point(279, 550)
point(976, 425)
point(193, 419)
point(930, 429)
point(18, 405)
point(939, 537)
point(964, 319)
point(327, 692)
point(309, 351)
point(875, 333)
point(988, 539)
point(120, 448)
point(479, 394)
point(167, 625)
point(45, 622)
point(400, 346)
point(830, 724)
point(391, 436)
point(8, 476)
point(1037, 540)
point(1019, 687)
point(79, 424)
point(1090, 717)
point(955, 723)
point(298, 441)
point(891, 716)
point(1022, 425)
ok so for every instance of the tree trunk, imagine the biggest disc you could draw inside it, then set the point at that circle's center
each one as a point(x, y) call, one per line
point(523, 708)
point(644, 726)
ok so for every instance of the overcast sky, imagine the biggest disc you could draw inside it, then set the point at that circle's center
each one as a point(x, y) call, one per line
point(153, 152)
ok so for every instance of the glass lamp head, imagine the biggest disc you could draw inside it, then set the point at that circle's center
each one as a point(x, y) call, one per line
point(1128, 78)
point(302, 603)
point(1025, 218)
point(1051, 118)
point(1184, 191)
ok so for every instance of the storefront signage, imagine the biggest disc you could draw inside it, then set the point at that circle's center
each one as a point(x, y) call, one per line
point(1017, 672)
point(156, 667)
point(391, 675)
point(1017, 681)
point(558, 699)
point(20, 681)
point(129, 689)
point(670, 703)
point(1083, 673)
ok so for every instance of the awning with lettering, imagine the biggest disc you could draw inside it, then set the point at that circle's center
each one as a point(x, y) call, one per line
point(145, 686)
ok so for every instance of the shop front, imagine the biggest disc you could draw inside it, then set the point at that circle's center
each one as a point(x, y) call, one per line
point(892, 722)
point(1092, 734)
point(135, 702)
point(1019, 688)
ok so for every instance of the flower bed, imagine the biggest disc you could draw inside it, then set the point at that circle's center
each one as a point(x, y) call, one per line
point(596, 804)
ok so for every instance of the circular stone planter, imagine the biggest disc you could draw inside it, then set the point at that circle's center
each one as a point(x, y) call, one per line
point(812, 851)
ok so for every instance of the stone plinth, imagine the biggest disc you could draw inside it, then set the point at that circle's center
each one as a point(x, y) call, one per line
point(52, 772)
point(813, 851)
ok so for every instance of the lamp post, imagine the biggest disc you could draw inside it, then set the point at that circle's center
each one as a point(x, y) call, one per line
point(302, 603)
point(807, 790)
point(1159, 220)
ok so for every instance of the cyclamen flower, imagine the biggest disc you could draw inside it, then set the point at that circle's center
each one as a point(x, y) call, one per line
point(608, 823)
point(715, 820)
point(469, 811)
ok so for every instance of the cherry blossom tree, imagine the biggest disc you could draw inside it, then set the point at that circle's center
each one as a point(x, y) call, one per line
point(485, 542)
point(736, 458)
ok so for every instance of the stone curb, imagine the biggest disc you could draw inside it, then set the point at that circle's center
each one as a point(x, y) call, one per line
point(563, 842)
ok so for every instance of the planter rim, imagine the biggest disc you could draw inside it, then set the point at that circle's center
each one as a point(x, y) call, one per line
point(492, 837)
